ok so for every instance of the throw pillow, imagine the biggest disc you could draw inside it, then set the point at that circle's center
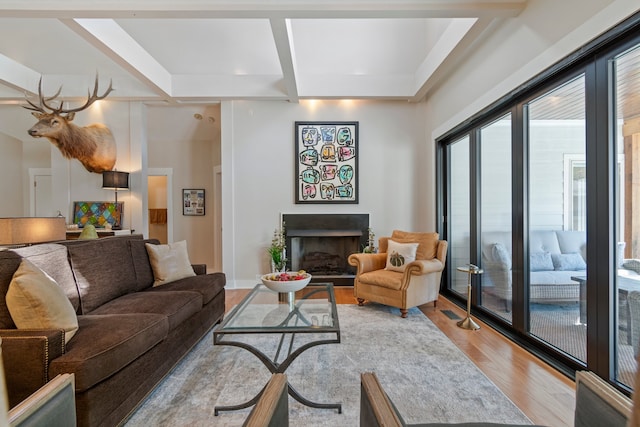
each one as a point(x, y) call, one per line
point(568, 262)
point(540, 261)
point(169, 262)
point(501, 255)
point(35, 301)
point(400, 254)
point(632, 264)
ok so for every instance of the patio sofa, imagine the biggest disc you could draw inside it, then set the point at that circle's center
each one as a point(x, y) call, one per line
point(555, 256)
point(130, 334)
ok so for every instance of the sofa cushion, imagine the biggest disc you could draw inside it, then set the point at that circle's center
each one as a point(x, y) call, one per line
point(501, 255)
point(141, 263)
point(169, 262)
point(571, 241)
point(53, 259)
point(208, 285)
point(568, 262)
point(384, 278)
point(400, 254)
point(105, 344)
point(540, 261)
point(176, 306)
point(35, 301)
point(103, 269)
point(428, 242)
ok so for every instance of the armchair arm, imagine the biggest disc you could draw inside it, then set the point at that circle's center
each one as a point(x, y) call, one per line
point(26, 354)
point(272, 408)
point(376, 409)
point(423, 266)
point(368, 262)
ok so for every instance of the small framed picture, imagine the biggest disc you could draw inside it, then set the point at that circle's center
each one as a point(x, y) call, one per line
point(193, 201)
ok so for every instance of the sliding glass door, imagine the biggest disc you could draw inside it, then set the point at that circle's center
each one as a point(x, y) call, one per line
point(459, 241)
point(557, 220)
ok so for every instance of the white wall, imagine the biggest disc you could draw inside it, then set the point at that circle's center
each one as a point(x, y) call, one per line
point(258, 161)
point(11, 186)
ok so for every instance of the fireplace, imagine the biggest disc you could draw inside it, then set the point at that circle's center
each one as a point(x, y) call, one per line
point(321, 244)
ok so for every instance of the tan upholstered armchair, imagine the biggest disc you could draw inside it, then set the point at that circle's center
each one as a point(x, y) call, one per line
point(418, 284)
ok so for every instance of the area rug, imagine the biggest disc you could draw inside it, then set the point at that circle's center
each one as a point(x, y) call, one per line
point(425, 374)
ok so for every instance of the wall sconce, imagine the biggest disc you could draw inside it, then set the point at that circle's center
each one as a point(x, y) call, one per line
point(116, 180)
point(27, 231)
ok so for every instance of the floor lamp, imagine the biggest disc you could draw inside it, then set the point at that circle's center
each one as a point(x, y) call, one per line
point(116, 180)
point(468, 322)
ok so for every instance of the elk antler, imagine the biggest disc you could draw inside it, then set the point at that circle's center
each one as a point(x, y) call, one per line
point(92, 97)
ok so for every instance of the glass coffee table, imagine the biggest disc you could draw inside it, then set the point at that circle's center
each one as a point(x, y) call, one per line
point(312, 318)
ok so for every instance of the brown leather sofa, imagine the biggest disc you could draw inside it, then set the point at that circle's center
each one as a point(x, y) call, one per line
point(130, 334)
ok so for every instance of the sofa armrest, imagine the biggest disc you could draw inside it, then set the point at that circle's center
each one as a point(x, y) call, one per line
point(376, 409)
point(26, 354)
point(272, 408)
point(54, 404)
point(368, 262)
point(199, 269)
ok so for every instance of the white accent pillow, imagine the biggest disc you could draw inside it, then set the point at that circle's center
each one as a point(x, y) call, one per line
point(35, 301)
point(169, 262)
point(400, 254)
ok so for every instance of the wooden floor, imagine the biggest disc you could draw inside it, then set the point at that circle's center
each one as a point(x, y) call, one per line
point(543, 394)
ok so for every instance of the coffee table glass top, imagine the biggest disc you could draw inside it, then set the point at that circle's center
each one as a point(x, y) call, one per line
point(263, 310)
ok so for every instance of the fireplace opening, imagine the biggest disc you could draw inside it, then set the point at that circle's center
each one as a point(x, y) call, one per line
point(321, 244)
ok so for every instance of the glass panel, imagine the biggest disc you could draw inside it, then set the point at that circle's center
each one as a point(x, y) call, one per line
point(557, 238)
point(460, 220)
point(627, 253)
point(495, 211)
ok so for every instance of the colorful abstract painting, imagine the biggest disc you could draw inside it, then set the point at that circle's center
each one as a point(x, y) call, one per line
point(96, 213)
point(326, 162)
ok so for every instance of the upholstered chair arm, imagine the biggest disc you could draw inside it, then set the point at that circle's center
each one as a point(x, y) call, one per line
point(26, 355)
point(368, 262)
point(441, 252)
point(423, 266)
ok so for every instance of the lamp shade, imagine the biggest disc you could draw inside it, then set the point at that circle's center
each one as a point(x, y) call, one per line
point(20, 231)
point(115, 180)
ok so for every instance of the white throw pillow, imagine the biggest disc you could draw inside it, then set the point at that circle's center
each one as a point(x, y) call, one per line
point(169, 262)
point(35, 301)
point(400, 254)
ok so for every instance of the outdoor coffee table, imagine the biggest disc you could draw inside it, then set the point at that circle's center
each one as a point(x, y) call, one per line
point(313, 314)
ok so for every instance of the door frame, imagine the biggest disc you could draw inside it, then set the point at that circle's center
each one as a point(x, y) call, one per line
point(167, 172)
point(33, 172)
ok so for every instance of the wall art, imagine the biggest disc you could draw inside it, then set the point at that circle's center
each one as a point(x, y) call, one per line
point(326, 162)
point(97, 214)
point(193, 201)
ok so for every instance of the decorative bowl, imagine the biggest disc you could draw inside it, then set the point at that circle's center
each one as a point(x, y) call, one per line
point(285, 285)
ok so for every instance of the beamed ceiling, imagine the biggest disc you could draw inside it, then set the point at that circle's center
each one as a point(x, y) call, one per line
point(199, 52)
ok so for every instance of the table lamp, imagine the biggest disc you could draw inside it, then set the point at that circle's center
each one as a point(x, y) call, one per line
point(31, 230)
point(116, 180)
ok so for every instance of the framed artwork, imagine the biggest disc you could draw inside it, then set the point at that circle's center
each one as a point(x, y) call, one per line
point(326, 162)
point(193, 201)
point(97, 214)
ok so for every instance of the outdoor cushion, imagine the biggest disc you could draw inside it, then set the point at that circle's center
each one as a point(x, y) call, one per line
point(102, 272)
point(540, 261)
point(177, 306)
point(105, 344)
point(501, 254)
point(564, 262)
point(208, 285)
point(544, 241)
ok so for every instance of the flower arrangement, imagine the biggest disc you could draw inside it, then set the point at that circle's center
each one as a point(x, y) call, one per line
point(278, 250)
point(370, 248)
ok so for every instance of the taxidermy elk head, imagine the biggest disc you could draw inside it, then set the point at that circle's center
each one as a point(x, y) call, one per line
point(92, 145)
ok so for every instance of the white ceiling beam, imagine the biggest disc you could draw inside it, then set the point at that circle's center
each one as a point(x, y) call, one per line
point(448, 53)
point(108, 37)
point(281, 29)
point(18, 76)
point(356, 86)
point(448, 40)
point(141, 9)
point(192, 87)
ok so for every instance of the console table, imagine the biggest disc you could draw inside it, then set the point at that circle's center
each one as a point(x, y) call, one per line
point(102, 232)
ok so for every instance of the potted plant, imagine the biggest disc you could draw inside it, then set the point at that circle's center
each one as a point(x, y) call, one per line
point(278, 251)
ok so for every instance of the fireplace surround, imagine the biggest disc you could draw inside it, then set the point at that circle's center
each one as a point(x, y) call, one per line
point(321, 244)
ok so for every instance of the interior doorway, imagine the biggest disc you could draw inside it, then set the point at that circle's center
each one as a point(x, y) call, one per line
point(40, 201)
point(160, 204)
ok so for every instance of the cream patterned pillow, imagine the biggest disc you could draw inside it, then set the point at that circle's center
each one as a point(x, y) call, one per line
point(400, 254)
point(169, 262)
point(35, 301)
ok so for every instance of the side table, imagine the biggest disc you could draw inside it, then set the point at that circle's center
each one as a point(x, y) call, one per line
point(468, 322)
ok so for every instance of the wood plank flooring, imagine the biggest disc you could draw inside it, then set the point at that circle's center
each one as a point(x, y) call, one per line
point(546, 396)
